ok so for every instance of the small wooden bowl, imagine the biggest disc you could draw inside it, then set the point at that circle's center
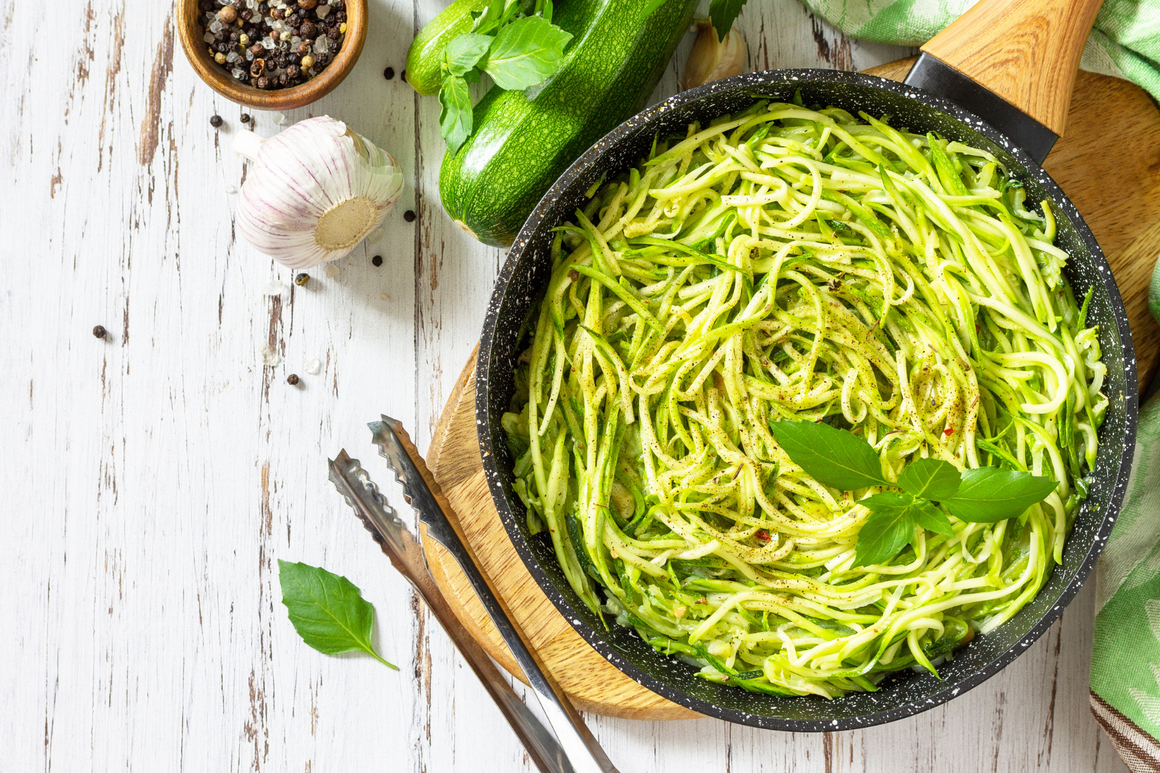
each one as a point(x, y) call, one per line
point(192, 33)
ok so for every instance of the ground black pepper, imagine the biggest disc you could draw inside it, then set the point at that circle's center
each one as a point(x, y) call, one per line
point(276, 44)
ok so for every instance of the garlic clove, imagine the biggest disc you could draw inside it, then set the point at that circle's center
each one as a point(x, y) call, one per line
point(315, 191)
point(712, 59)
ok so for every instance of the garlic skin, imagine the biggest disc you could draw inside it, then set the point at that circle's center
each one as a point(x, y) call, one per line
point(315, 190)
point(712, 59)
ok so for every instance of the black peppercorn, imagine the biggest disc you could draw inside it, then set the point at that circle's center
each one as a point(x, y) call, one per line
point(263, 82)
point(409, 216)
point(99, 331)
point(403, 75)
point(215, 121)
point(377, 261)
point(292, 60)
point(301, 279)
point(245, 118)
point(292, 379)
point(257, 67)
point(389, 73)
point(333, 33)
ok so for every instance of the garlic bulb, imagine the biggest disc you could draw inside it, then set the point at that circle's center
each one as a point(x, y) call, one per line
point(713, 59)
point(316, 190)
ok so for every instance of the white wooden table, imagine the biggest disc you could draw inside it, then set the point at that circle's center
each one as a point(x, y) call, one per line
point(150, 481)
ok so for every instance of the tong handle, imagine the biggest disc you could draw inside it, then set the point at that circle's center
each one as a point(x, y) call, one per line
point(406, 554)
point(579, 744)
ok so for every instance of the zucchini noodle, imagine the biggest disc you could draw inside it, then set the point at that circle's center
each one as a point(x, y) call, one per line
point(788, 263)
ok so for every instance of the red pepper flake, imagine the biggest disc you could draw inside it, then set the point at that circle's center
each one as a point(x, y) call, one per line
point(763, 535)
point(948, 432)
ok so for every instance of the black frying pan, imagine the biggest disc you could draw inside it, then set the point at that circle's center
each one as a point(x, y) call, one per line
point(1028, 50)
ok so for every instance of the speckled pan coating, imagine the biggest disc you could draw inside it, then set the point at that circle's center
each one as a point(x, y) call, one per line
point(524, 277)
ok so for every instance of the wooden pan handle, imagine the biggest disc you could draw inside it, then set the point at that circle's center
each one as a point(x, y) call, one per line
point(1025, 51)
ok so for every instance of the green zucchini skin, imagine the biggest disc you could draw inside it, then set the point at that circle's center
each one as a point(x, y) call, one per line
point(521, 144)
point(425, 56)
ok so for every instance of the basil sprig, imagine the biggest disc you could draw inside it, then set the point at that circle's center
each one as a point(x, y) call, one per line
point(327, 610)
point(840, 459)
point(513, 41)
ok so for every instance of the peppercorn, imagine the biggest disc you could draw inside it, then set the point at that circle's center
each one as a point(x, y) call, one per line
point(303, 48)
point(409, 216)
point(275, 13)
point(322, 60)
point(292, 379)
point(245, 118)
point(220, 58)
point(257, 49)
point(377, 261)
point(307, 4)
point(228, 14)
point(215, 121)
point(403, 75)
point(99, 331)
point(302, 279)
point(342, 29)
point(388, 73)
point(263, 82)
point(307, 62)
point(308, 30)
point(332, 33)
point(258, 67)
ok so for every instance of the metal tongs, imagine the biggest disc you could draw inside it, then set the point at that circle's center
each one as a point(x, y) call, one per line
point(569, 747)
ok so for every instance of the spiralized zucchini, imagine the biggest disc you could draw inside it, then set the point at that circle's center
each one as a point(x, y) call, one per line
point(791, 263)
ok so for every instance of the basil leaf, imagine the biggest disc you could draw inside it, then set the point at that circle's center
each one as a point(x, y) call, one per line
point(723, 13)
point(462, 53)
point(989, 494)
point(455, 121)
point(931, 518)
point(887, 531)
point(831, 456)
point(525, 52)
point(327, 610)
point(487, 19)
point(930, 479)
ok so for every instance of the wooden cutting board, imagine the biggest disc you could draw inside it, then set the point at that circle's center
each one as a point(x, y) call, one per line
point(1109, 164)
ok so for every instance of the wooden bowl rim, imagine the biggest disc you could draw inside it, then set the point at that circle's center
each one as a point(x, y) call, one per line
point(275, 99)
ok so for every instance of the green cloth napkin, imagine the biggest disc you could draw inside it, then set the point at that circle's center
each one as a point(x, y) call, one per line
point(1125, 675)
point(1125, 42)
point(1125, 681)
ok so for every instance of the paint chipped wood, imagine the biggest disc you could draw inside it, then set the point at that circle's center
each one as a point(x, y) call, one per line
point(152, 479)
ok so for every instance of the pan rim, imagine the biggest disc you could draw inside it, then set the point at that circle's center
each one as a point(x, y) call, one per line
point(560, 602)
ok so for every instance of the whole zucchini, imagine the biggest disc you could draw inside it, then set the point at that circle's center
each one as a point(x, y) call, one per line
point(521, 144)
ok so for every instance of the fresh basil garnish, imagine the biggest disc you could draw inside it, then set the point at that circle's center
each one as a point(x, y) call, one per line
point(513, 41)
point(840, 459)
point(327, 610)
